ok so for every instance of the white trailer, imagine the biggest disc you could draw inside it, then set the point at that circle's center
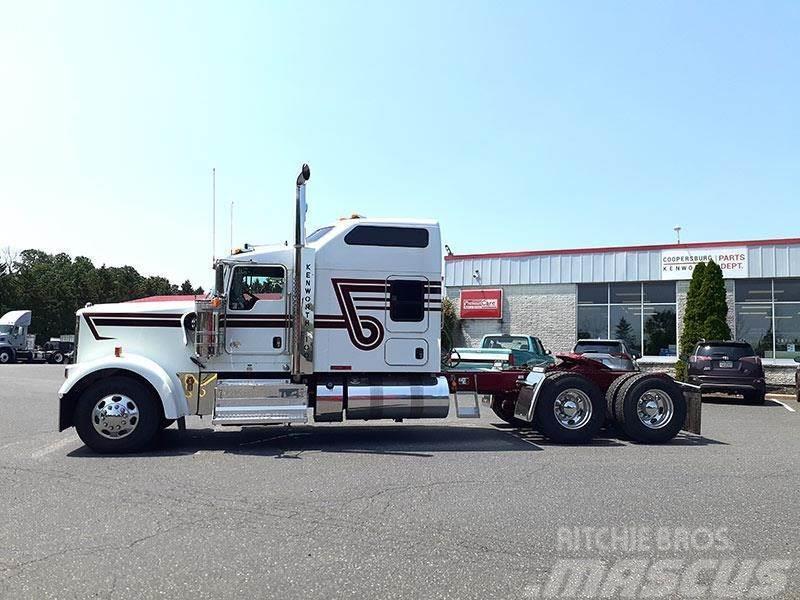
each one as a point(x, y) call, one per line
point(344, 325)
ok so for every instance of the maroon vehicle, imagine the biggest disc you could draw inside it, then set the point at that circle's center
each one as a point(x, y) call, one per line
point(728, 366)
point(572, 399)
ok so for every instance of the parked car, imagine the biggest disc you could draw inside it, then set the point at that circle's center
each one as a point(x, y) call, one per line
point(728, 366)
point(797, 379)
point(499, 351)
point(612, 353)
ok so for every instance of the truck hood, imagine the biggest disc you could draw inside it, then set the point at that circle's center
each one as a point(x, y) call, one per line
point(143, 308)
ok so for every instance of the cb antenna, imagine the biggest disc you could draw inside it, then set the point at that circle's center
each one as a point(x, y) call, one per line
point(213, 216)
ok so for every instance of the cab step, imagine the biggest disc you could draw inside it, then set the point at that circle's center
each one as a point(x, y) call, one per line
point(255, 402)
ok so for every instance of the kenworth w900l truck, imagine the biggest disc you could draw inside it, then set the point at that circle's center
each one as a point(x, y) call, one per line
point(343, 325)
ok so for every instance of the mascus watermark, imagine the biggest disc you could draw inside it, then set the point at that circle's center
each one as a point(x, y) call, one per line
point(652, 565)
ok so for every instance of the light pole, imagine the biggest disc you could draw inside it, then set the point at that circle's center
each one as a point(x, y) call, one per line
point(677, 229)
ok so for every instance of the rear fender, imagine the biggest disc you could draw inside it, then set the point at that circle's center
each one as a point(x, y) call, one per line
point(80, 376)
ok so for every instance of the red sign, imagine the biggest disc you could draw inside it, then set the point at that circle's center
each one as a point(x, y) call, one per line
point(481, 304)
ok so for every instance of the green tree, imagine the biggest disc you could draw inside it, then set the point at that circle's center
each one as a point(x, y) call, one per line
point(54, 286)
point(624, 332)
point(692, 316)
point(187, 288)
point(714, 304)
point(449, 325)
point(706, 313)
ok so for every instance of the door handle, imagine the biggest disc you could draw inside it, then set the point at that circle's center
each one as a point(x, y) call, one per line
point(277, 342)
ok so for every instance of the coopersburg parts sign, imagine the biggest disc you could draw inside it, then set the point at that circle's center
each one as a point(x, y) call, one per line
point(679, 264)
point(481, 304)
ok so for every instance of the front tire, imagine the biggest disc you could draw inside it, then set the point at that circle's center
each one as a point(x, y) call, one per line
point(57, 358)
point(570, 408)
point(6, 357)
point(117, 415)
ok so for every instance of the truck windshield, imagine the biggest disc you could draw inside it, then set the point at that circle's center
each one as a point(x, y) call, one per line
point(6, 329)
point(507, 342)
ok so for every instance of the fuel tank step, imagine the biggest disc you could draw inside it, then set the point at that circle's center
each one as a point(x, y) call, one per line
point(254, 402)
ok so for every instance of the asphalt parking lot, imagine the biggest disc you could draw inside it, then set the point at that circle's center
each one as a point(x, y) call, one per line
point(448, 509)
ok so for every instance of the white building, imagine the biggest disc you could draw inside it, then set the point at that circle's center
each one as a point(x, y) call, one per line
point(634, 292)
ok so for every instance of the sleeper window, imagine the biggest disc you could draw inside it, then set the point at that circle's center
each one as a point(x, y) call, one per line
point(406, 300)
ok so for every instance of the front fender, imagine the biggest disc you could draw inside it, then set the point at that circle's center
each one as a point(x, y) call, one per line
point(167, 387)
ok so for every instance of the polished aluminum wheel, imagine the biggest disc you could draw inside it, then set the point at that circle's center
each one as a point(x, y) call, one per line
point(115, 417)
point(573, 408)
point(655, 409)
point(5, 357)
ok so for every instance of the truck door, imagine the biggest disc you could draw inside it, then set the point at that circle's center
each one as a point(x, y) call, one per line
point(256, 320)
point(407, 321)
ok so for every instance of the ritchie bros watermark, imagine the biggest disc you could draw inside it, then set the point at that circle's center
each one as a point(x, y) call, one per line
point(661, 562)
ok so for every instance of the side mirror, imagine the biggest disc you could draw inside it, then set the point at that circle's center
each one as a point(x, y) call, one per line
point(548, 351)
point(636, 356)
point(219, 280)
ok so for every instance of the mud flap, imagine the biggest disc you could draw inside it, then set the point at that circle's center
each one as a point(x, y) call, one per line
point(694, 406)
point(525, 406)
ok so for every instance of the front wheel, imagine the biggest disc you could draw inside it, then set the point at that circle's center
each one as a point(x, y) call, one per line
point(570, 408)
point(57, 358)
point(5, 356)
point(117, 415)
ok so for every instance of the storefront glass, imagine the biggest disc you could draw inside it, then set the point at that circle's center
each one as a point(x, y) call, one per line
point(640, 314)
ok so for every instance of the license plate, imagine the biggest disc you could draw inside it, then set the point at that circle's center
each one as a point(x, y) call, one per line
point(725, 364)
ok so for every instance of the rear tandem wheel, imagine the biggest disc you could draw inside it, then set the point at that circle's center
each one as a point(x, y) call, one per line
point(570, 408)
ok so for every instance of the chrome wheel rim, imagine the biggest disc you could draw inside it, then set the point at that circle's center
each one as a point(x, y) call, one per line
point(572, 408)
point(4, 357)
point(58, 358)
point(115, 416)
point(655, 409)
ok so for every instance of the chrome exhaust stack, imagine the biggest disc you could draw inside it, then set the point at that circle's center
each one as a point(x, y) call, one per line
point(299, 242)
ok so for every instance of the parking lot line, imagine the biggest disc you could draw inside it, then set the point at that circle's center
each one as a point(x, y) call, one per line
point(783, 404)
point(54, 447)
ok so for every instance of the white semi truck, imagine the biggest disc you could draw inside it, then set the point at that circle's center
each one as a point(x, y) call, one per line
point(344, 325)
point(17, 345)
point(346, 322)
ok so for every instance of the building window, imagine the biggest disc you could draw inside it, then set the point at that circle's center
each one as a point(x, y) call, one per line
point(768, 316)
point(660, 329)
point(592, 321)
point(643, 315)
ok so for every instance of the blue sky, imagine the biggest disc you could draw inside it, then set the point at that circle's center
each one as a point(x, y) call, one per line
point(524, 125)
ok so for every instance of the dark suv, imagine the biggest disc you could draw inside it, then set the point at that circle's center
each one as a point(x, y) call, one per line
point(727, 366)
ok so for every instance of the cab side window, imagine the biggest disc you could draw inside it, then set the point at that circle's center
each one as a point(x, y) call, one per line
point(406, 300)
point(250, 285)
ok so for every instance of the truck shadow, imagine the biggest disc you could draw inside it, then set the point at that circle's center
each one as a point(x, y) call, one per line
point(424, 441)
point(291, 442)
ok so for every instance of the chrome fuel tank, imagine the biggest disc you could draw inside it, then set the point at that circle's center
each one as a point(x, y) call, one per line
point(395, 397)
